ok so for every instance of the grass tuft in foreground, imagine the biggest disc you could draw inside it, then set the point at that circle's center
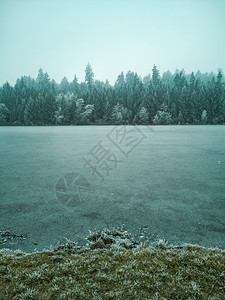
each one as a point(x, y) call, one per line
point(113, 266)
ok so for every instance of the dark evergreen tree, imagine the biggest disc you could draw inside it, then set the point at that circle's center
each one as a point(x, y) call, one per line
point(155, 75)
point(32, 112)
point(4, 114)
point(89, 76)
point(64, 86)
point(74, 86)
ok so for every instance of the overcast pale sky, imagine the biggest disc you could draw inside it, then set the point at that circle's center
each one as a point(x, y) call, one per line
point(113, 35)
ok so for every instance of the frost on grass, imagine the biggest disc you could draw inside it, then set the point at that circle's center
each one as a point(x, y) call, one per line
point(113, 266)
point(8, 236)
point(111, 238)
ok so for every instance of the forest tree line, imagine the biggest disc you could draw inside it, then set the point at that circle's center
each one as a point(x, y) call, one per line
point(161, 100)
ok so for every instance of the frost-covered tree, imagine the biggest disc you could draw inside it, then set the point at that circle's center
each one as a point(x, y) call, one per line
point(223, 111)
point(87, 115)
point(120, 114)
point(64, 85)
point(155, 75)
point(4, 114)
point(133, 94)
point(117, 117)
point(89, 76)
point(43, 82)
point(204, 117)
point(146, 80)
point(62, 114)
point(180, 118)
point(74, 86)
point(142, 116)
point(79, 105)
point(120, 82)
point(167, 78)
point(70, 99)
point(48, 108)
point(185, 96)
point(32, 112)
point(163, 117)
point(8, 96)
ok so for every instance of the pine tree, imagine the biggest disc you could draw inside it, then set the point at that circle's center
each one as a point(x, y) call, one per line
point(89, 76)
point(32, 112)
point(117, 117)
point(62, 114)
point(74, 86)
point(4, 114)
point(155, 75)
point(64, 85)
point(8, 96)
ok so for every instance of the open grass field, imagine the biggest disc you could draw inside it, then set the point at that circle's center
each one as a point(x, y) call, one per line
point(171, 185)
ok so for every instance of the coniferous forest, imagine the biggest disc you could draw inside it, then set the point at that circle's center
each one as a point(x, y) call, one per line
point(177, 98)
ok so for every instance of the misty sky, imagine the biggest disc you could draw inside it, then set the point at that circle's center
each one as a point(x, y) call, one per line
point(113, 35)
